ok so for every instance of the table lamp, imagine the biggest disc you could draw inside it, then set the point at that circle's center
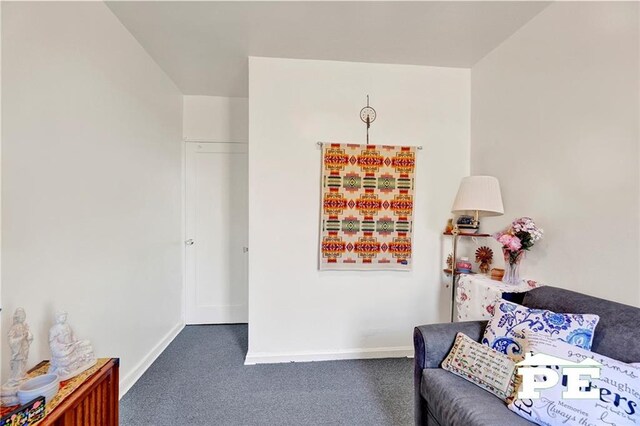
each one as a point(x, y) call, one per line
point(478, 196)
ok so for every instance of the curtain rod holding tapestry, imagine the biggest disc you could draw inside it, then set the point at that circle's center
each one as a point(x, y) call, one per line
point(419, 147)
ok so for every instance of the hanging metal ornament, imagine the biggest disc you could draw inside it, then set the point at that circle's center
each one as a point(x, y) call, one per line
point(368, 115)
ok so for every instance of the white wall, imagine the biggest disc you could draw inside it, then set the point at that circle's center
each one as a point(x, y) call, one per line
point(555, 116)
point(295, 311)
point(216, 119)
point(1, 305)
point(91, 172)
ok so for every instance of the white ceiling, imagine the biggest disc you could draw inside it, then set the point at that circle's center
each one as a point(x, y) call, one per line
point(203, 46)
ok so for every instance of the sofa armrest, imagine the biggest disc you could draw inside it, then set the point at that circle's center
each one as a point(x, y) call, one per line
point(433, 342)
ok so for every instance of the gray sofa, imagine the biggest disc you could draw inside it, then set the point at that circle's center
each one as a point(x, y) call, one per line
point(442, 398)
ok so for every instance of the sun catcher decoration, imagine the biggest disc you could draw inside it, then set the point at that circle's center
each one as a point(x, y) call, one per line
point(484, 256)
point(450, 261)
point(367, 207)
point(368, 115)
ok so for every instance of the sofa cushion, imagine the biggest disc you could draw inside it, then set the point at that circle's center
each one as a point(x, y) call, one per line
point(506, 330)
point(617, 333)
point(617, 385)
point(493, 371)
point(452, 400)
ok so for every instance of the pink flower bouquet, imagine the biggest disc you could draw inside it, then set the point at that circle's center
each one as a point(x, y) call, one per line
point(520, 236)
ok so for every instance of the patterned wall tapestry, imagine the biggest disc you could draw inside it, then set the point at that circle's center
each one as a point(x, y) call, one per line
point(367, 207)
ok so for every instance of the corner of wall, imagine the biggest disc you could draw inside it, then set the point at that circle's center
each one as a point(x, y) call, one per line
point(143, 365)
point(517, 30)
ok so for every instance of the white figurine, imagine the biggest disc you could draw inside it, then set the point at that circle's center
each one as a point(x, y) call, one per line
point(19, 340)
point(69, 356)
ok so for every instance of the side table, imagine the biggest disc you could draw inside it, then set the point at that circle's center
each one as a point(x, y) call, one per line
point(455, 234)
point(476, 295)
point(89, 399)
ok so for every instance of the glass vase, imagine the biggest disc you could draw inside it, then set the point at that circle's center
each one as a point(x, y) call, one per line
point(512, 266)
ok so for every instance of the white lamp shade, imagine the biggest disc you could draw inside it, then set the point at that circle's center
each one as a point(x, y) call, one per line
point(481, 194)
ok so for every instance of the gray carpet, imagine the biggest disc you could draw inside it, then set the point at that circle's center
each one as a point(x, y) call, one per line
point(201, 380)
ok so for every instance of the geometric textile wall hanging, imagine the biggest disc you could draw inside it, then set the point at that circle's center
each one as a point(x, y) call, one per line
point(367, 207)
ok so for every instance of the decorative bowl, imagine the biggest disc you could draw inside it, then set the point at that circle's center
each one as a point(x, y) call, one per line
point(46, 385)
point(468, 229)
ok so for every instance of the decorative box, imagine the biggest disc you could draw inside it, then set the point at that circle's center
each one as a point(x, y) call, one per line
point(27, 414)
point(464, 265)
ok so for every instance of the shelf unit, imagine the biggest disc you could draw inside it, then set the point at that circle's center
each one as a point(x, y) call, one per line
point(454, 275)
point(448, 272)
point(467, 234)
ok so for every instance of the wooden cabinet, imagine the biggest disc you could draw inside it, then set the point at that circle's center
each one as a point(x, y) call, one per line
point(94, 403)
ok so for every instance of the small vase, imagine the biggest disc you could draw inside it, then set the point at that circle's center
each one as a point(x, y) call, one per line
point(512, 266)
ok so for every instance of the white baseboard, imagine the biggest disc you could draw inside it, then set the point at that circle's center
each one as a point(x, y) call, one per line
point(130, 379)
point(360, 353)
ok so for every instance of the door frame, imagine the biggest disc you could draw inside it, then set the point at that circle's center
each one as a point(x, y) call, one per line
point(183, 241)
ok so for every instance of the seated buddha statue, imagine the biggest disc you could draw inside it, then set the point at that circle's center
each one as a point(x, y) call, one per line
point(69, 356)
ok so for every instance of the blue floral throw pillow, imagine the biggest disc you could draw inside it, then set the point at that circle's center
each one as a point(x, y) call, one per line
point(506, 330)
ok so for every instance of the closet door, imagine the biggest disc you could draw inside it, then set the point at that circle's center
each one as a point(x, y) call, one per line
point(216, 230)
